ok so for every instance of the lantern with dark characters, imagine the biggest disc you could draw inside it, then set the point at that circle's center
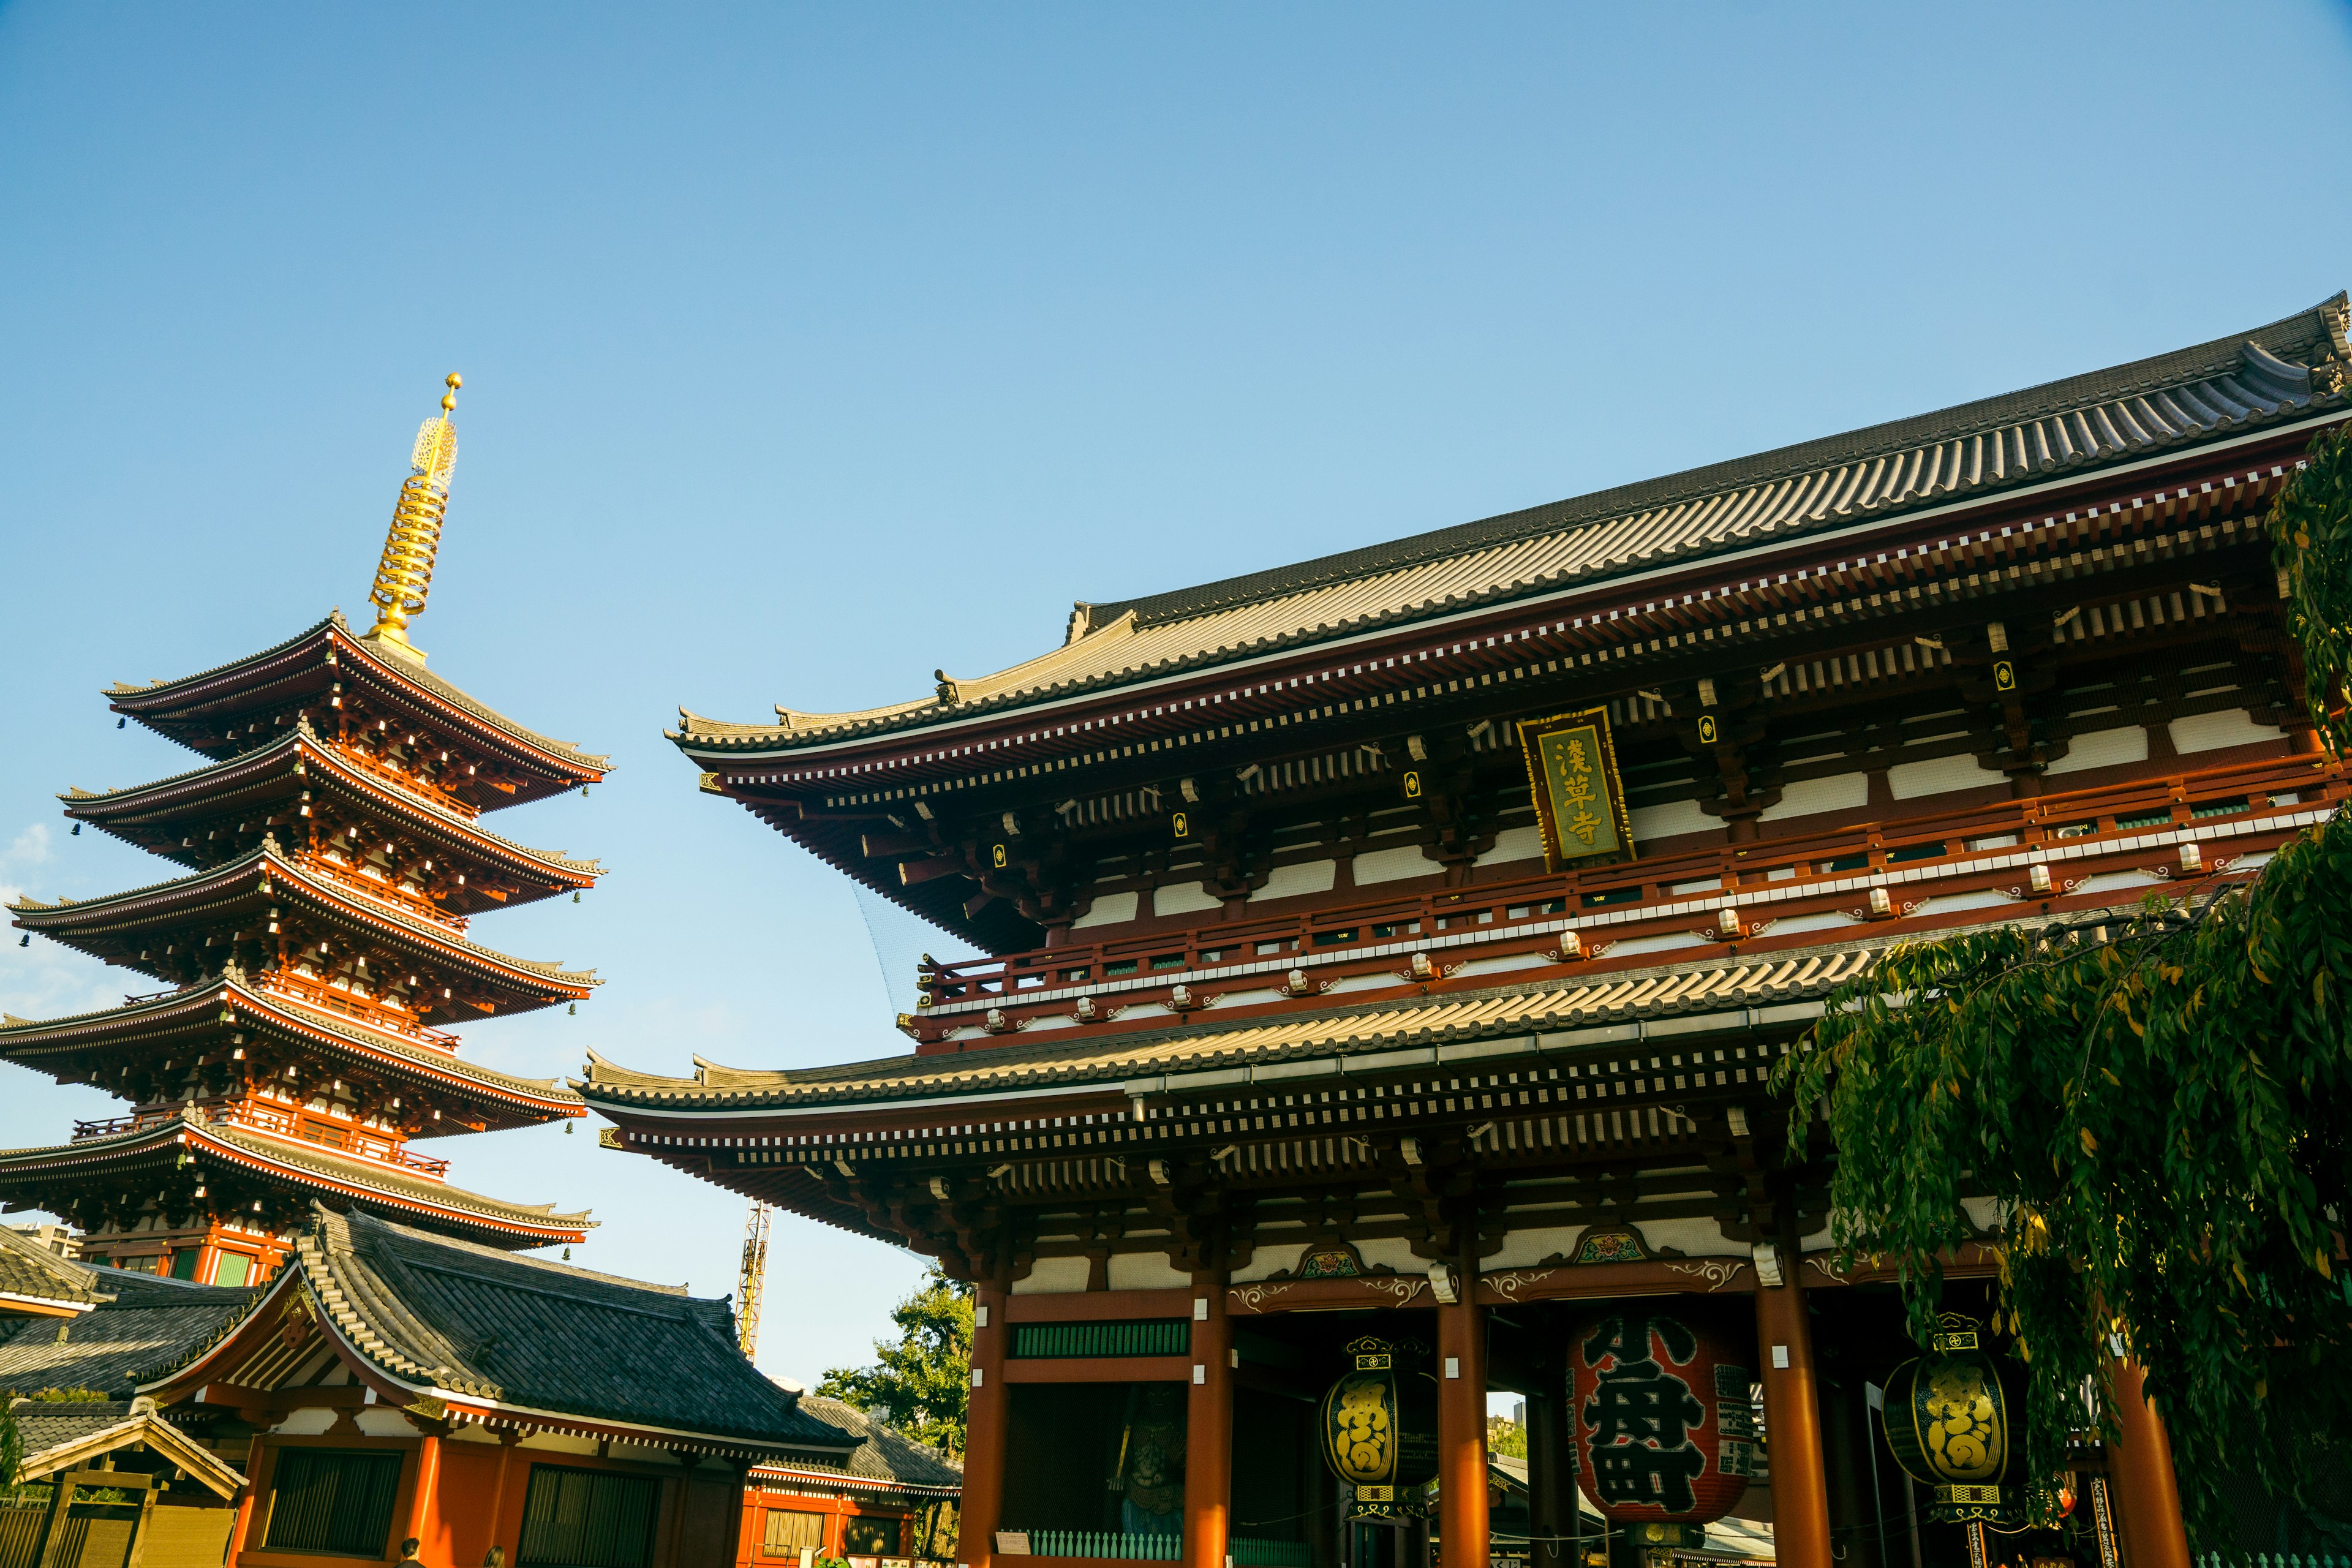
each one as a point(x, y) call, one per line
point(1664, 1430)
point(1949, 1423)
point(1378, 1428)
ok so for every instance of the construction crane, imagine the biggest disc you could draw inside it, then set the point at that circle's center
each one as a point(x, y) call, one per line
point(754, 1278)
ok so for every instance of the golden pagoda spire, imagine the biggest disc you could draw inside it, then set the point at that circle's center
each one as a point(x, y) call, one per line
point(404, 576)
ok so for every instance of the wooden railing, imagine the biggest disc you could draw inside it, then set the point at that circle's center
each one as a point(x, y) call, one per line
point(1791, 866)
point(327, 999)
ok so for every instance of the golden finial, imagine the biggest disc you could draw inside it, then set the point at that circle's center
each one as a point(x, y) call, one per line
point(404, 576)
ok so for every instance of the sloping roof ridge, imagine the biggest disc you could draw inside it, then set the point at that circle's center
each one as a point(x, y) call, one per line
point(25, 1261)
point(155, 688)
point(2217, 355)
point(77, 794)
point(601, 762)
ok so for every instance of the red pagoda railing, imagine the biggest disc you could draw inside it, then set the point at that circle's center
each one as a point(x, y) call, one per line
point(383, 890)
point(353, 1141)
point(1791, 866)
point(327, 999)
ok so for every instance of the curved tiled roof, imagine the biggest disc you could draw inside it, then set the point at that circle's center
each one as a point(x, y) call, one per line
point(86, 804)
point(29, 1270)
point(884, 1454)
point(2270, 375)
point(295, 875)
point(398, 669)
point(148, 1328)
point(1097, 1064)
point(545, 1336)
point(438, 1062)
point(538, 1224)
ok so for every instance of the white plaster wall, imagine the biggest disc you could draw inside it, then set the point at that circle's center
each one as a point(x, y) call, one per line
point(1246, 998)
point(1669, 942)
point(378, 1422)
point(1795, 924)
point(1394, 1251)
point(1360, 983)
point(1522, 1248)
point(1145, 1271)
point(1394, 865)
point(1182, 899)
point(1504, 965)
point(1676, 816)
point(1265, 1262)
point(2212, 732)
point(1698, 1237)
point(1290, 881)
point(1845, 792)
point(1110, 908)
point(310, 1422)
point(2103, 749)
point(1938, 775)
point(559, 1443)
point(1050, 1021)
point(1146, 1010)
point(469, 1433)
point(1514, 844)
point(1052, 1277)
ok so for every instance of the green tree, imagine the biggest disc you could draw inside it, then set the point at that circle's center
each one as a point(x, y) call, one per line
point(921, 1382)
point(1505, 1435)
point(2160, 1106)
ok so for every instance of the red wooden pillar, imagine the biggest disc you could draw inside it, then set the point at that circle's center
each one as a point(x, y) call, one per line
point(421, 1499)
point(1209, 1426)
point(2148, 1493)
point(985, 1431)
point(1462, 1424)
point(1792, 1420)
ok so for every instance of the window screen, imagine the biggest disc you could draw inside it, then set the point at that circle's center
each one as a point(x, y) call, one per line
point(231, 1268)
point(588, 1519)
point(334, 1499)
point(789, 1531)
point(183, 1263)
point(871, 1537)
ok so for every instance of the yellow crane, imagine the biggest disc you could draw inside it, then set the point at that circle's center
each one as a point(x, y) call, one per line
point(754, 1278)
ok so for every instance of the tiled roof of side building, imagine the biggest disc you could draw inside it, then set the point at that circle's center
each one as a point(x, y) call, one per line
point(886, 1454)
point(156, 693)
point(150, 1327)
point(31, 1272)
point(1674, 990)
point(2290, 369)
point(433, 1313)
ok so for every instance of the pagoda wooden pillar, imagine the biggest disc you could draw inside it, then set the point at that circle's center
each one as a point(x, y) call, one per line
point(1461, 1539)
point(2140, 1467)
point(1209, 1426)
point(1792, 1420)
point(987, 1424)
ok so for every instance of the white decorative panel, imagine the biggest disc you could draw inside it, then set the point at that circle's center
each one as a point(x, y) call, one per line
point(2212, 732)
point(1290, 881)
point(1109, 909)
point(1052, 1277)
point(1668, 821)
point(1844, 792)
point(1940, 776)
point(1514, 844)
point(1182, 899)
point(1394, 865)
point(2103, 749)
point(1145, 1271)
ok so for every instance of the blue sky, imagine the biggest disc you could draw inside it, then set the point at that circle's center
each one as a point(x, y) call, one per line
point(809, 348)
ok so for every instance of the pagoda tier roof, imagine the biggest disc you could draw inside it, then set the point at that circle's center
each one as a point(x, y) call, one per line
point(256, 881)
point(2292, 371)
point(56, 1046)
point(147, 815)
point(1343, 1040)
point(189, 710)
point(289, 1166)
point(518, 1341)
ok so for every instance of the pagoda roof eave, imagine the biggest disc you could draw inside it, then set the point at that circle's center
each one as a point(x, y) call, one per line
point(559, 758)
point(305, 1167)
point(543, 1099)
point(57, 920)
point(2296, 370)
point(99, 808)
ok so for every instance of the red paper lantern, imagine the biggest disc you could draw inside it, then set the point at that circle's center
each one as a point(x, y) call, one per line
point(1664, 1431)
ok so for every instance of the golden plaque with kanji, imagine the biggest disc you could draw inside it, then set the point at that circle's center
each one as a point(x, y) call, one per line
point(1579, 804)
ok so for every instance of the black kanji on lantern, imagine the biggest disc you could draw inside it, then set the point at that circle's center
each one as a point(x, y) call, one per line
point(1641, 1415)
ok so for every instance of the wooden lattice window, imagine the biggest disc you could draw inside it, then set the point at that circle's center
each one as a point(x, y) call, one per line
point(588, 1519)
point(790, 1531)
point(334, 1499)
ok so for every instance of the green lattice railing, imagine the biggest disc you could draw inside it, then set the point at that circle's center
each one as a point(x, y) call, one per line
point(1143, 1336)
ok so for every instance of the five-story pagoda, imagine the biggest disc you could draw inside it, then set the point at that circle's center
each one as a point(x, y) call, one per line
point(315, 950)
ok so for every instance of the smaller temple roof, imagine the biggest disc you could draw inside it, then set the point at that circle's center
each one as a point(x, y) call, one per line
point(32, 1275)
point(455, 1319)
point(2268, 376)
point(144, 1327)
point(885, 1454)
point(162, 704)
point(66, 1434)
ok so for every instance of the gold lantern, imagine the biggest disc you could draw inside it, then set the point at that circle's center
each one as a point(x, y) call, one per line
point(1950, 1419)
point(1378, 1428)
